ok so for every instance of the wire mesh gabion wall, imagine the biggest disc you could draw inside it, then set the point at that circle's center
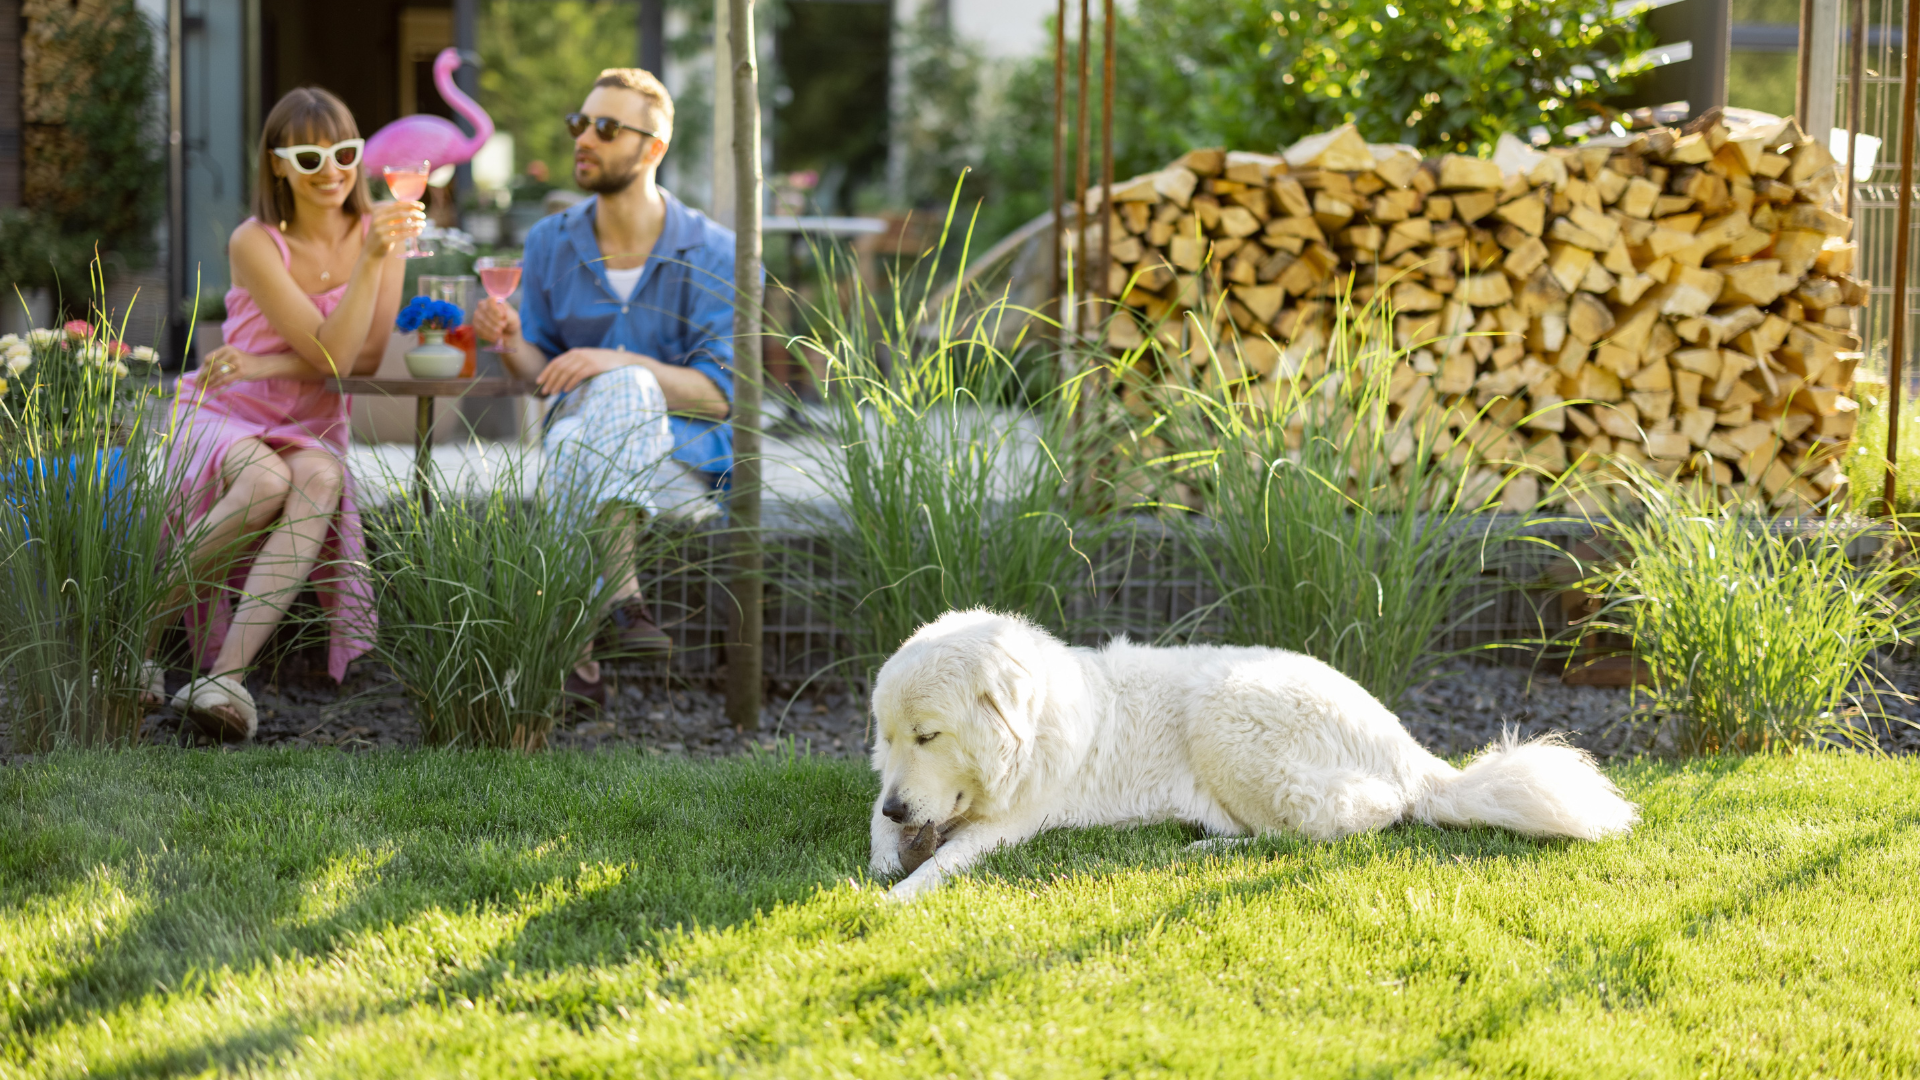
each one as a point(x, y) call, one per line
point(1147, 583)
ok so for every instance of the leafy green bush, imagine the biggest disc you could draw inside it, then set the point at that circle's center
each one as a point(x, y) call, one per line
point(34, 253)
point(104, 127)
point(87, 569)
point(1443, 75)
point(1331, 529)
point(945, 486)
point(1759, 638)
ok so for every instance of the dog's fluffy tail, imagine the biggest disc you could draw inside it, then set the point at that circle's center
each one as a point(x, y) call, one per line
point(1540, 788)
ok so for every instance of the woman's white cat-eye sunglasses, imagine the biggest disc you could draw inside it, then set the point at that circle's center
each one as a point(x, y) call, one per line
point(308, 158)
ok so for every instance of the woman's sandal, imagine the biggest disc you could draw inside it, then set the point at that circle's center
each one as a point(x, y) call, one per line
point(219, 707)
point(153, 685)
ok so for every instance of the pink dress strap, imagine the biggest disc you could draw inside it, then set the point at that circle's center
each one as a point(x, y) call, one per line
point(286, 253)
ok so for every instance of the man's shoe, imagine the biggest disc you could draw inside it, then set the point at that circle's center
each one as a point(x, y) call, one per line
point(632, 632)
point(583, 696)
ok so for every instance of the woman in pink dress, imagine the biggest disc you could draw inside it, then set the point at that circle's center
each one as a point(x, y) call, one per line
point(259, 434)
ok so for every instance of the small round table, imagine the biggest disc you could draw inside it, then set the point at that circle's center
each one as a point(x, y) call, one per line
point(425, 391)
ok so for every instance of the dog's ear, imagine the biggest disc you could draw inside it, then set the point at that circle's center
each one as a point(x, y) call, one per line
point(1008, 698)
point(1003, 714)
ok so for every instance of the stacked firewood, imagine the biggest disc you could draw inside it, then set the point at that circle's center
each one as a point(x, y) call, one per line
point(1684, 299)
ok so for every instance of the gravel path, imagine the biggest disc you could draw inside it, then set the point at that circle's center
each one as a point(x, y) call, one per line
point(1454, 714)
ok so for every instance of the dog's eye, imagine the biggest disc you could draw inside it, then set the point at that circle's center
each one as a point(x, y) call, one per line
point(925, 739)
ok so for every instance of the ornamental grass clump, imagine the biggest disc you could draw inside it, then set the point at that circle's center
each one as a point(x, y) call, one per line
point(1330, 526)
point(87, 569)
point(1865, 461)
point(487, 599)
point(1761, 635)
point(945, 476)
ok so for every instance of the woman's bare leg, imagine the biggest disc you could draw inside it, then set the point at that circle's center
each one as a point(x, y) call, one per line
point(288, 556)
point(255, 482)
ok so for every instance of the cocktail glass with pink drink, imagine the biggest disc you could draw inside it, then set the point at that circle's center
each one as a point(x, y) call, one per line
point(499, 275)
point(408, 183)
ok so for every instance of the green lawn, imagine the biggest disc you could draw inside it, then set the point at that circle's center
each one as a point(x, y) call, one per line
point(412, 914)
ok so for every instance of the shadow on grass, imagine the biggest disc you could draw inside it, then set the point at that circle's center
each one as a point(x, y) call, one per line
point(1624, 969)
point(243, 858)
point(250, 857)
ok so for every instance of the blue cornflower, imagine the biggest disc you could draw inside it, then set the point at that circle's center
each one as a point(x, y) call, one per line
point(432, 314)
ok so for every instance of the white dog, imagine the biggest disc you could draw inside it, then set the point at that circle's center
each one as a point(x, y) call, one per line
point(991, 730)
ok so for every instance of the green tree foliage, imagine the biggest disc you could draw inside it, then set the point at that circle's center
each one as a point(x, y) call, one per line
point(538, 61)
point(98, 109)
point(941, 131)
point(1443, 75)
point(116, 120)
point(540, 57)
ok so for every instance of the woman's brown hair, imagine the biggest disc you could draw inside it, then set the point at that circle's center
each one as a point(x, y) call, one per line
point(306, 115)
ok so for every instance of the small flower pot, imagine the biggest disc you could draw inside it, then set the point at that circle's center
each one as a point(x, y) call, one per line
point(433, 358)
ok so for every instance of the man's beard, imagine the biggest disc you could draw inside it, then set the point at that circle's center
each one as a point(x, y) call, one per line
point(614, 178)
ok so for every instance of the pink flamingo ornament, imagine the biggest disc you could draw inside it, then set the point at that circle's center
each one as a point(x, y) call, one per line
point(432, 138)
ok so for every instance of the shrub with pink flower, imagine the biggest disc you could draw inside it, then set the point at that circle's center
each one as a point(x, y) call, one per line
point(67, 378)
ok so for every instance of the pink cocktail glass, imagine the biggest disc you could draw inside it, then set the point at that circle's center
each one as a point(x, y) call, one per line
point(499, 275)
point(409, 184)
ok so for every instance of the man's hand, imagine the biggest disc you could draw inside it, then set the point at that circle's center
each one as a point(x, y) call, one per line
point(494, 321)
point(575, 366)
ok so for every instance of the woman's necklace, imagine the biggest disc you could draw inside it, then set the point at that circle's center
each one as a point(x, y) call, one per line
point(326, 275)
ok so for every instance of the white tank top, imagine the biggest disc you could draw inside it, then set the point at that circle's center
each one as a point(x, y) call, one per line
point(625, 281)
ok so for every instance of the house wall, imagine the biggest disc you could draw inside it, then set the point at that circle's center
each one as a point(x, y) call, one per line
point(213, 43)
point(9, 103)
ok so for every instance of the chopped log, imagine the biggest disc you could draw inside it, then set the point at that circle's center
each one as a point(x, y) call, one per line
point(1588, 317)
point(1340, 149)
point(1262, 300)
point(1484, 290)
point(1458, 172)
point(1176, 184)
point(1528, 214)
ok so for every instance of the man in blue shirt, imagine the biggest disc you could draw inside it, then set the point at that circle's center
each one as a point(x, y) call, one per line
point(626, 319)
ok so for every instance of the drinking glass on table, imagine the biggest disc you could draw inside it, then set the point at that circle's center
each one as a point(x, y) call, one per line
point(408, 182)
point(499, 275)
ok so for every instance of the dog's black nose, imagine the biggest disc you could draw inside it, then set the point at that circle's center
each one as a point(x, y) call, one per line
point(894, 810)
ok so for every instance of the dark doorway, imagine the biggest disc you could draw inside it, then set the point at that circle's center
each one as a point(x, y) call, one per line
point(831, 100)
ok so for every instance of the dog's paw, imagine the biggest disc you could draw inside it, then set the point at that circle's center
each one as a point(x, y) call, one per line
point(1219, 844)
point(885, 863)
point(906, 892)
point(914, 885)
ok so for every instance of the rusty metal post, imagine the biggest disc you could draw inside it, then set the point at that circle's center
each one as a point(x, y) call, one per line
point(1059, 160)
point(1081, 177)
point(1856, 74)
point(1106, 155)
point(1902, 243)
point(1802, 99)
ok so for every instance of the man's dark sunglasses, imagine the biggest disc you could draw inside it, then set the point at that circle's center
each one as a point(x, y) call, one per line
point(606, 127)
